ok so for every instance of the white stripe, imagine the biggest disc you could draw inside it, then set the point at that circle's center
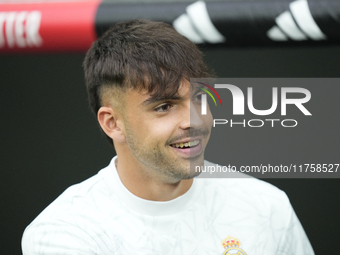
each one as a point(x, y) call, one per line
point(2, 22)
point(9, 29)
point(276, 34)
point(204, 104)
point(183, 26)
point(286, 22)
point(304, 19)
point(199, 17)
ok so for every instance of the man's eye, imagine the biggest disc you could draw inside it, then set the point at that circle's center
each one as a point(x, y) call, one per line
point(163, 108)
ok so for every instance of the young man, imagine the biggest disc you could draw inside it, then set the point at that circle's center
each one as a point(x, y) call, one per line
point(146, 201)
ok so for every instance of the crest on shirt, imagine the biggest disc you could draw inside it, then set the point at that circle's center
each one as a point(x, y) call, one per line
point(232, 246)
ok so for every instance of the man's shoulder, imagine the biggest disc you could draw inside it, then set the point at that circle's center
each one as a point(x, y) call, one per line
point(66, 219)
point(76, 199)
point(73, 197)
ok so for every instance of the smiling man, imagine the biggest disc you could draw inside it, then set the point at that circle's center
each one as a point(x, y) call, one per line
point(147, 201)
point(156, 140)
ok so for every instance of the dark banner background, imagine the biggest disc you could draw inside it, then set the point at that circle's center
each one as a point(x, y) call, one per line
point(50, 140)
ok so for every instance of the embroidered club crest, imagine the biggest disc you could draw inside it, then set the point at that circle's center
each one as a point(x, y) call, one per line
point(232, 246)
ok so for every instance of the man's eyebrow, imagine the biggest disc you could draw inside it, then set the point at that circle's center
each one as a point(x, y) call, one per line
point(152, 100)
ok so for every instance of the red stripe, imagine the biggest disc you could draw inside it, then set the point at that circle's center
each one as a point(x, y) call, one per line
point(47, 27)
point(212, 90)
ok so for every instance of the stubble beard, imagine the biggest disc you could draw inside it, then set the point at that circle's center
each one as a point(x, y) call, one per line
point(168, 169)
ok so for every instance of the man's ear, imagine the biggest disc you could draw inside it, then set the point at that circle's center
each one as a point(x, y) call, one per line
point(111, 125)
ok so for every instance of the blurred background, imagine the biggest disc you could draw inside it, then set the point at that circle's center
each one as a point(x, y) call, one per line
point(50, 139)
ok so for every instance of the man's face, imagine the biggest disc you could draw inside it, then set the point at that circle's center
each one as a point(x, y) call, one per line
point(167, 135)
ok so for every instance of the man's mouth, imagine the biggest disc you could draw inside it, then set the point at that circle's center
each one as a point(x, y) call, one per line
point(189, 144)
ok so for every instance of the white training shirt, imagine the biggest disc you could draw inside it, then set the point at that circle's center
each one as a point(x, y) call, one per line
point(100, 216)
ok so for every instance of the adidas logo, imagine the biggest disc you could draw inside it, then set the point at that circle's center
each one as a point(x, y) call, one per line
point(296, 24)
point(197, 26)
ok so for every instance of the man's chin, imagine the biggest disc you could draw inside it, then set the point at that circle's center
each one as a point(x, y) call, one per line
point(196, 164)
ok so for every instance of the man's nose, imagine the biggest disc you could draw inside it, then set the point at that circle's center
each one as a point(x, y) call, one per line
point(191, 117)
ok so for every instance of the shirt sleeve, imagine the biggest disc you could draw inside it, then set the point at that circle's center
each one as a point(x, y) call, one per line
point(57, 239)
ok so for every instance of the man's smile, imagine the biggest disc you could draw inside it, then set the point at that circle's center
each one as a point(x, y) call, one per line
point(187, 149)
point(189, 144)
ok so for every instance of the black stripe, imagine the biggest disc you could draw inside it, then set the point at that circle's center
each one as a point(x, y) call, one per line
point(242, 22)
point(326, 14)
point(109, 13)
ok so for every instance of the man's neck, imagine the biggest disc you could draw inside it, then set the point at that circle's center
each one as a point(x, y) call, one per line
point(141, 183)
